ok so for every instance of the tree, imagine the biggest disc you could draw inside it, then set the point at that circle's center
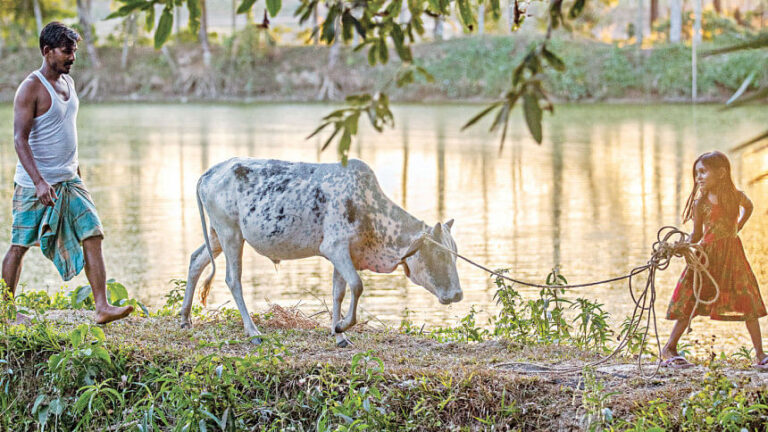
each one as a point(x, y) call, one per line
point(675, 20)
point(377, 23)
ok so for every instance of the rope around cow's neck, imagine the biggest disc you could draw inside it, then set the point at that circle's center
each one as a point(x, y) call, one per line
point(663, 250)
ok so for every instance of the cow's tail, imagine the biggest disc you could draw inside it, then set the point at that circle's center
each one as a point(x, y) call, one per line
point(209, 280)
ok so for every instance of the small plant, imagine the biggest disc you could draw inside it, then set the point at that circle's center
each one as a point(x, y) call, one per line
point(467, 331)
point(594, 400)
point(592, 325)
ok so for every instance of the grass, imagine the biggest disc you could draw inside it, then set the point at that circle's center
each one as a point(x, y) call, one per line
point(146, 373)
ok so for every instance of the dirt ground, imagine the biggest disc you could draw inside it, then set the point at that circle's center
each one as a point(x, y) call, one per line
point(539, 377)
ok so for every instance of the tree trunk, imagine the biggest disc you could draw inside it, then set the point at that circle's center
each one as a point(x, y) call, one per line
point(316, 28)
point(38, 16)
point(329, 88)
point(639, 23)
point(438, 32)
point(654, 13)
point(204, 44)
point(129, 29)
point(718, 7)
point(234, 17)
point(481, 19)
point(675, 20)
point(84, 15)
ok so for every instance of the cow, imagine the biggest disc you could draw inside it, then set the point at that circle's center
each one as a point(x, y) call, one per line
point(291, 210)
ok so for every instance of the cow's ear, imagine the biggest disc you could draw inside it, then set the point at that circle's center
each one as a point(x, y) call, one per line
point(449, 224)
point(437, 231)
point(414, 248)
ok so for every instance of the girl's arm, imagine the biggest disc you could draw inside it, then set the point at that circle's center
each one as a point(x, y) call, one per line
point(697, 222)
point(746, 210)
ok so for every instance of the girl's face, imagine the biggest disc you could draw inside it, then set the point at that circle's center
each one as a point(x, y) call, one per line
point(707, 178)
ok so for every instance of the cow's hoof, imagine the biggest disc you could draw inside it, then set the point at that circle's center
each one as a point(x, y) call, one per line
point(256, 340)
point(342, 344)
point(186, 325)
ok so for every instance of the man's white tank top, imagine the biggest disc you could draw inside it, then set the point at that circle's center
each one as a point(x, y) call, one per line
point(53, 139)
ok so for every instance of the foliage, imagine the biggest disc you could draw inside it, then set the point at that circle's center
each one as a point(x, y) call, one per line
point(720, 405)
point(467, 331)
point(595, 400)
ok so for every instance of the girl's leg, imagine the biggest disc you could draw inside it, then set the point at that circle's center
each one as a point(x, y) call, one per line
point(753, 327)
point(670, 349)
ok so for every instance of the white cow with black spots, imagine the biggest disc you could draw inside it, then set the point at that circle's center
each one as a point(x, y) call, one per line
point(287, 210)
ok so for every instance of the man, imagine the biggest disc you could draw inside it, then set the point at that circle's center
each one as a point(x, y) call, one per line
point(51, 206)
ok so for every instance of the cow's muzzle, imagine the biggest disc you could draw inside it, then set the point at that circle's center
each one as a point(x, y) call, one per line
point(456, 297)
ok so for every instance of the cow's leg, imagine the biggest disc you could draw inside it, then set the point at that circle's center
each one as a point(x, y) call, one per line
point(197, 263)
point(339, 288)
point(232, 245)
point(338, 253)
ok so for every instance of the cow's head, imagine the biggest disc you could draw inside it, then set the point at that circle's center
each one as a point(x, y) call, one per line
point(433, 267)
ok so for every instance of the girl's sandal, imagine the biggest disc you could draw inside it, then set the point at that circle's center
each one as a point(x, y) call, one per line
point(679, 362)
point(762, 365)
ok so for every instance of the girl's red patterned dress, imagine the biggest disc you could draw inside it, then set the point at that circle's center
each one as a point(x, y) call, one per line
point(739, 298)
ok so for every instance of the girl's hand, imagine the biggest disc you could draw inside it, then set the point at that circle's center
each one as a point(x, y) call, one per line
point(746, 210)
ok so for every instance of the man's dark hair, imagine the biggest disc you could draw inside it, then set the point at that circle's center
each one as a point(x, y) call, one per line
point(57, 35)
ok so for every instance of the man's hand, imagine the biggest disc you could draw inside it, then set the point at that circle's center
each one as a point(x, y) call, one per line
point(45, 193)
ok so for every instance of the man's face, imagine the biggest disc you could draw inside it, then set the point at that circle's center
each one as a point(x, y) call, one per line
point(60, 59)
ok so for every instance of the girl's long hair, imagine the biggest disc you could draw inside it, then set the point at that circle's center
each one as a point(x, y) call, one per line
point(726, 192)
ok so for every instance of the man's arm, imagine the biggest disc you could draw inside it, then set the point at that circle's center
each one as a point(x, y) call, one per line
point(23, 117)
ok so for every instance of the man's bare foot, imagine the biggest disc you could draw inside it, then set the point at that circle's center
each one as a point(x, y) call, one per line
point(112, 313)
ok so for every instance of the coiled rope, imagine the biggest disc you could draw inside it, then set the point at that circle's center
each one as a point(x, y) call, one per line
point(670, 242)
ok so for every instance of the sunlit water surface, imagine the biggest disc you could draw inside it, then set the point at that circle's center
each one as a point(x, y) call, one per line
point(589, 199)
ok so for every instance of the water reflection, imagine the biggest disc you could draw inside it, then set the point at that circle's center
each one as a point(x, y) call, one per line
point(589, 199)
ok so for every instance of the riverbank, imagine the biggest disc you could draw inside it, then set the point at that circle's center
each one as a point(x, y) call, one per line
point(465, 69)
point(148, 373)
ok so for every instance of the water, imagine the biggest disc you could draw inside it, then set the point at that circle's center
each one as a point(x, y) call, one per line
point(589, 199)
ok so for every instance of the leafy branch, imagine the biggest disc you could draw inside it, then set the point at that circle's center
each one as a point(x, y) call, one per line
point(345, 120)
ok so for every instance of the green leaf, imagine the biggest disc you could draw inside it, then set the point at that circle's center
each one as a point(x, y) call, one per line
point(319, 128)
point(117, 292)
point(56, 407)
point(481, 114)
point(126, 9)
point(404, 78)
point(38, 401)
point(163, 28)
point(98, 334)
point(577, 8)
point(330, 138)
point(42, 417)
point(81, 293)
point(372, 54)
point(245, 6)
point(383, 51)
point(553, 60)
point(532, 115)
point(103, 354)
point(149, 22)
point(467, 14)
point(273, 7)
point(427, 76)
point(194, 15)
point(344, 144)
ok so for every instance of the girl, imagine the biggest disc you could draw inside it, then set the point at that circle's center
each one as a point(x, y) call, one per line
point(719, 212)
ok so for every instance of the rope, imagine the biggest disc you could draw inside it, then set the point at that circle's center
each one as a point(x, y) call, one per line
point(670, 243)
